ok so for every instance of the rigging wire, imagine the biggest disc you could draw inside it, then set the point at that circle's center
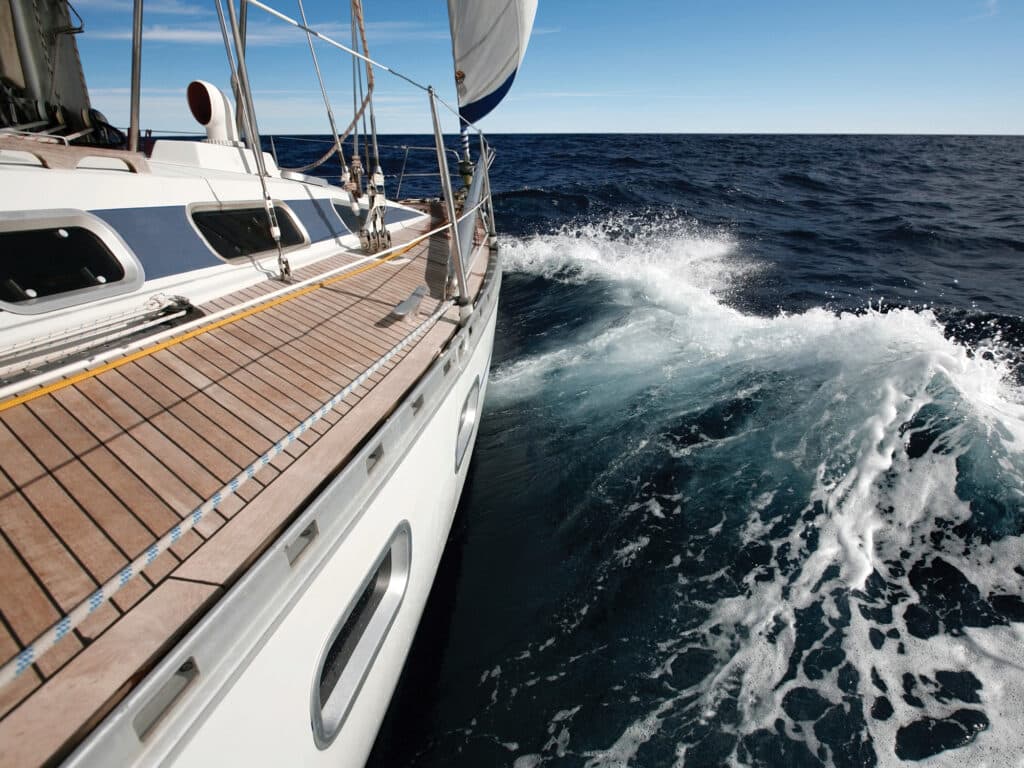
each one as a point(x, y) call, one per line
point(425, 88)
point(284, 267)
point(327, 101)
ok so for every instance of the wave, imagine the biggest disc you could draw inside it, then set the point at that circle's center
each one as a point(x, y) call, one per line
point(827, 503)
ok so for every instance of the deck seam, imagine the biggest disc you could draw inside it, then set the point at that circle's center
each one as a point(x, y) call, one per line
point(52, 474)
point(127, 434)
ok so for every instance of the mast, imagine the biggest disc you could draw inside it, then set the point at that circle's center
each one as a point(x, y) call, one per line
point(133, 124)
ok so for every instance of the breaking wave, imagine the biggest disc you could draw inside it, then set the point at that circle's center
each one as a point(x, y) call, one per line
point(803, 531)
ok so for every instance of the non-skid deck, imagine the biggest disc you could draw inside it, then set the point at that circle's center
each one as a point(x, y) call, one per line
point(92, 474)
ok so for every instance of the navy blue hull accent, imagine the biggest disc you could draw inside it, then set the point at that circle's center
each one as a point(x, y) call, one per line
point(319, 218)
point(162, 239)
point(395, 215)
point(165, 242)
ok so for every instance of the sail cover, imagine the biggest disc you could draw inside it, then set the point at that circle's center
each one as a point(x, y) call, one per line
point(489, 40)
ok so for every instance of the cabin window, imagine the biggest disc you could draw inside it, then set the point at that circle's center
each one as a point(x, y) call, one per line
point(36, 263)
point(236, 232)
point(59, 258)
point(358, 637)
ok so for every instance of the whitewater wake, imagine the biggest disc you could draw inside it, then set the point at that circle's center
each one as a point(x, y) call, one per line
point(828, 506)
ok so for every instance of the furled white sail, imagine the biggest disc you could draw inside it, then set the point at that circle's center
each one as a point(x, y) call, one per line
point(489, 39)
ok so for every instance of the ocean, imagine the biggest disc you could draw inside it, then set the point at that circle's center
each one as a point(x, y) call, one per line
point(749, 484)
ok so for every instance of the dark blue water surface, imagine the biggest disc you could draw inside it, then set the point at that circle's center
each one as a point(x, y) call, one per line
point(749, 486)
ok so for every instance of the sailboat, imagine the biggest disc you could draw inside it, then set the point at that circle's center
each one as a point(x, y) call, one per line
point(237, 401)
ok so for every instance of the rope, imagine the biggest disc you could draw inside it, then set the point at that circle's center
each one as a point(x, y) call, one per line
point(48, 639)
point(323, 91)
point(357, 6)
point(283, 267)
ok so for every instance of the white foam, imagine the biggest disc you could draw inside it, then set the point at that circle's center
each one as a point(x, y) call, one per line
point(859, 379)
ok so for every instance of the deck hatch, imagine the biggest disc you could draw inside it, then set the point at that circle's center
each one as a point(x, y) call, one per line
point(358, 637)
point(236, 232)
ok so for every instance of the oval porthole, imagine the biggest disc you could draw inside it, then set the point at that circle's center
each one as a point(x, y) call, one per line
point(467, 422)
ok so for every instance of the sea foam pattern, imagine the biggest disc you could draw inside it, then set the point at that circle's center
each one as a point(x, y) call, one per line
point(749, 486)
point(797, 491)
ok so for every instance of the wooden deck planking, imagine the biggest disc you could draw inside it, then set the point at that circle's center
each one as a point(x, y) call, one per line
point(22, 597)
point(187, 412)
point(45, 449)
point(84, 691)
point(258, 385)
point(112, 462)
point(332, 369)
point(131, 593)
point(310, 345)
point(283, 364)
point(80, 534)
point(241, 395)
point(16, 692)
point(160, 478)
point(131, 490)
point(125, 530)
point(55, 568)
point(93, 419)
point(61, 422)
point(218, 400)
point(24, 606)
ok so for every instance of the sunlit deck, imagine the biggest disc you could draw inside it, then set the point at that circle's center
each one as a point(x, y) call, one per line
point(95, 469)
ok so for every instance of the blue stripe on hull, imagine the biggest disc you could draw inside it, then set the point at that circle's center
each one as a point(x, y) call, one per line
point(165, 242)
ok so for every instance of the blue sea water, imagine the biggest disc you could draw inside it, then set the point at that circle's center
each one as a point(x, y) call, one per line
point(749, 485)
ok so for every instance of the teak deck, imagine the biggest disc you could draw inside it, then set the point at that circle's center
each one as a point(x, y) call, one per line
point(93, 473)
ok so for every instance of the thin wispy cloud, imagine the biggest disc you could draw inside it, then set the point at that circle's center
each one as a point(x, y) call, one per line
point(988, 9)
point(534, 95)
point(276, 34)
point(152, 7)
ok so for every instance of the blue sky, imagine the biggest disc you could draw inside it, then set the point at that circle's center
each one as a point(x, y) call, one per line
point(791, 66)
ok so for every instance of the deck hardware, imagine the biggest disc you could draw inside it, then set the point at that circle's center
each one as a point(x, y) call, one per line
point(447, 366)
point(358, 636)
point(467, 422)
point(411, 304)
point(375, 456)
point(154, 709)
point(295, 549)
point(417, 404)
